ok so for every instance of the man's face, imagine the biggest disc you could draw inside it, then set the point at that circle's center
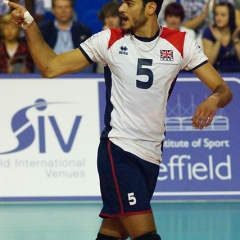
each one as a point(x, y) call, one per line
point(173, 22)
point(132, 14)
point(62, 10)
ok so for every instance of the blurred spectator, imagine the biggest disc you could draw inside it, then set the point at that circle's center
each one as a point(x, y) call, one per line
point(174, 15)
point(63, 34)
point(221, 41)
point(14, 53)
point(161, 20)
point(236, 4)
point(198, 14)
point(35, 7)
point(110, 17)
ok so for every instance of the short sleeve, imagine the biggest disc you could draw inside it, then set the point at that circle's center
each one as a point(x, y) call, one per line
point(207, 34)
point(95, 48)
point(193, 54)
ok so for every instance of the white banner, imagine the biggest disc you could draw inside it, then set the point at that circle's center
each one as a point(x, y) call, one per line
point(49, 134)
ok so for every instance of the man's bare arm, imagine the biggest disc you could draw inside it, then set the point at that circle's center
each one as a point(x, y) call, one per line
point(211, 78)
point(220, 97)
point(49, 64)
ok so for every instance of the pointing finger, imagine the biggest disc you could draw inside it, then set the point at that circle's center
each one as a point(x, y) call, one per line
point(14, 5)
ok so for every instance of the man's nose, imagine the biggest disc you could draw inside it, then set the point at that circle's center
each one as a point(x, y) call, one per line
point(121, 8)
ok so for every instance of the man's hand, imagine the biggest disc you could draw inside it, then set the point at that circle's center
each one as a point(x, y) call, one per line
point(20, 15)
point(205, 112)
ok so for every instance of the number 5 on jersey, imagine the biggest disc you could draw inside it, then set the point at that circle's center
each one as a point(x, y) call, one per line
point(131, 198)
point(144, 71)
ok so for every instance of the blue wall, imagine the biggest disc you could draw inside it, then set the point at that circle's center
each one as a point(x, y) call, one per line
point(87, 12)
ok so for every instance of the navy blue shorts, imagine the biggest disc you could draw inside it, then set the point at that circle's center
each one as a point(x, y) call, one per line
point(127, 182)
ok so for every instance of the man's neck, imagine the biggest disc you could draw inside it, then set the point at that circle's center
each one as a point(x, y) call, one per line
point(148, 30)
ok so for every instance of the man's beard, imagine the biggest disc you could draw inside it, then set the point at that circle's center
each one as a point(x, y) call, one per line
point(137, 23)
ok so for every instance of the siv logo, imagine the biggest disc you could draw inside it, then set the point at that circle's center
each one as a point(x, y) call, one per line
point(25, 133)
point(123, 50)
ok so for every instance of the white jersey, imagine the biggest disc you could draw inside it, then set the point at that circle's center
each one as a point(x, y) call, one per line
point(139, 77)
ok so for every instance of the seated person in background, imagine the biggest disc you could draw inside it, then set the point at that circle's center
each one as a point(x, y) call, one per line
point(63, 34)
point(236, 4)
point(199, 14)
point(161, 20)
point(14, 54)
point(221, 41)
point(173, 16)
point(196, 13)
point(35, 7)
point(109, 15)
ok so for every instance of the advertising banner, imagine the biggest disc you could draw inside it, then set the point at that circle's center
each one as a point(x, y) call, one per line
point(200, 164)
point(49, 134)
point(50, 129)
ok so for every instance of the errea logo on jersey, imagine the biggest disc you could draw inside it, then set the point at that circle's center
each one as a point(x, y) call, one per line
point(123, 50)
point(166, 55)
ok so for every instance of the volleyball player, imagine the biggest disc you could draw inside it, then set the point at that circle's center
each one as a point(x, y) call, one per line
point(142, 63)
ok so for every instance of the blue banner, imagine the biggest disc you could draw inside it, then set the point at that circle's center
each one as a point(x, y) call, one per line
point(198, 164)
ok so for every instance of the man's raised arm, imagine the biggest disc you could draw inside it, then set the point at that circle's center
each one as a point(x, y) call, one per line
point(47, 61)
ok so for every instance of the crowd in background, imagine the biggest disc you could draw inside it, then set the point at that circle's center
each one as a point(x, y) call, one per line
point(214, 24)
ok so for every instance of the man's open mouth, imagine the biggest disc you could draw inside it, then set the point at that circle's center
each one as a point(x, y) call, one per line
point(124, 19)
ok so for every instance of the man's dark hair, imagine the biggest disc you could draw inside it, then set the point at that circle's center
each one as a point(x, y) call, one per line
point(174, 9)
point(110, 9)
point(71, 1)
point(158, 2)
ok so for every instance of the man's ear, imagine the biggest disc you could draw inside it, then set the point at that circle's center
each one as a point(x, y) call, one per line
point(151, 8)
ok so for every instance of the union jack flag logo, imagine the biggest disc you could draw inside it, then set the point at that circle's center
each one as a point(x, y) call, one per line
point(166, 55)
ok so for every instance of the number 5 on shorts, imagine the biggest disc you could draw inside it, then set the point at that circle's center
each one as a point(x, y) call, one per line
point(132, 200)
